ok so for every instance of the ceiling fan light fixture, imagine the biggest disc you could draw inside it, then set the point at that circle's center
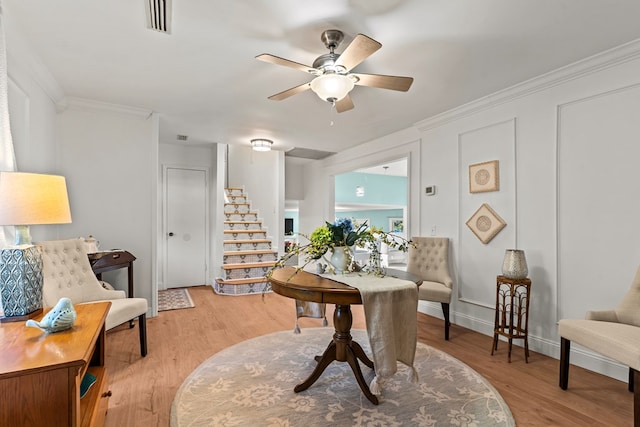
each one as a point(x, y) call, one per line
point(261, 144)
point(332, 87)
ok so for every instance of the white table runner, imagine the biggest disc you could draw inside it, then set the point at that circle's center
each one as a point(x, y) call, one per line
point(390, 309)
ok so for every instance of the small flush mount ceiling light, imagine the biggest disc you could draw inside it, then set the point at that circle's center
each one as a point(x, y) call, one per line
point(260, 144)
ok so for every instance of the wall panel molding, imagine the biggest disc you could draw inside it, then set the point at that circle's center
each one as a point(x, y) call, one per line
point(596, 148)
point(478, 261)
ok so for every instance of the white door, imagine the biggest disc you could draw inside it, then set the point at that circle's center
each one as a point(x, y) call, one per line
point(186, 232)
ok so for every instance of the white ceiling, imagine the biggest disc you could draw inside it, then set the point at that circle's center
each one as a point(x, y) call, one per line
point(204, 82)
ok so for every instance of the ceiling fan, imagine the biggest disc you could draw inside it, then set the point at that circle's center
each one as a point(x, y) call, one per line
point(333, 80)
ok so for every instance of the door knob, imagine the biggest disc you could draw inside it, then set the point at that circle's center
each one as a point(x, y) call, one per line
point(170, 234)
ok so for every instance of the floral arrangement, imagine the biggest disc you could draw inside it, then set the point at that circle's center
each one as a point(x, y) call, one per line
point(343, 233)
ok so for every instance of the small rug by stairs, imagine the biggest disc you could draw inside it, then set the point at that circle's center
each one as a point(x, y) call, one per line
point(174, 299)
point(251, 384)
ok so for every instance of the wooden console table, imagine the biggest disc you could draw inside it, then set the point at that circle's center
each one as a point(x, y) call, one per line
point(40, 373)
point(113, 260)
point(311, 287)
point(512, 312)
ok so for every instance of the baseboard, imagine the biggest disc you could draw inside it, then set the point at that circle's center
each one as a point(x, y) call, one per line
point(580, 356)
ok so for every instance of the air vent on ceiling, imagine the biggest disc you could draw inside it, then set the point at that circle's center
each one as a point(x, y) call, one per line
point(307, 153)
point(158, 15)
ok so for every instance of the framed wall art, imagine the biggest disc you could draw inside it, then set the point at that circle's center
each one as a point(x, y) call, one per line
point(396, 225)
point(484, 177)
point(485, 223)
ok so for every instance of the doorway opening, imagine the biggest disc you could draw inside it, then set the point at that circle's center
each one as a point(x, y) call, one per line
point(377, 195)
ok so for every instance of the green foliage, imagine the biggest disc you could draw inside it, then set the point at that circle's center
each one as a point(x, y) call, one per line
point(342, 233)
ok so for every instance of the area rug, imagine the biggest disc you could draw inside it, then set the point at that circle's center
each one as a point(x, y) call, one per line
point(251, 384)
point(174, 299)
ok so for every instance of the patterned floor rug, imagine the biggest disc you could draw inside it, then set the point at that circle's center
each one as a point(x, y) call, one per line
point(251, 384)
point(174, 299)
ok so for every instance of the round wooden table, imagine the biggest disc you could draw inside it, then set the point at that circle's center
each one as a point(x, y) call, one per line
point(299, 284)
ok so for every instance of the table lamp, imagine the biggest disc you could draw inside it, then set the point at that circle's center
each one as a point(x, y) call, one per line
point(27, 199)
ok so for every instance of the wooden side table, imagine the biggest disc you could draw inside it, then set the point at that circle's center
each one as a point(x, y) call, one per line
point(41, 373)
point(512, 312)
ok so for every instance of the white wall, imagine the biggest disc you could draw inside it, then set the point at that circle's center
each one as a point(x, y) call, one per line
point(110, 159)
point(567, 145)
point(34, 146)
point(32, 114)
point(574, 170)
point(294, 178)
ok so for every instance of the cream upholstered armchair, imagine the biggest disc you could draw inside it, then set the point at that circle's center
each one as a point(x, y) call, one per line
point(429, 259)
point(612, 333)
point(66, 272)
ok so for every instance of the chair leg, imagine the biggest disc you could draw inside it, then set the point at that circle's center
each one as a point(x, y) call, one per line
point(565, 350)
point(636, 399)
point(142, 324)
point(447, 323)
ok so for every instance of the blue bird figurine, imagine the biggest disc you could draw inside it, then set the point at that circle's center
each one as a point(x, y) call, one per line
point(61, 317)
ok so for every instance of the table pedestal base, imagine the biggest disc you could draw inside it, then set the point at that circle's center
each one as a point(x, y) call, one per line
point(342, 349)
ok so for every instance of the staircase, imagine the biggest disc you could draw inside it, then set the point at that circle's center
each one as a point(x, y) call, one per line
point(247, 250)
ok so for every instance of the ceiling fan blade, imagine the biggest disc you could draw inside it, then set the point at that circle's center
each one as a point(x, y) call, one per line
point(285, 62)
point(290, 92)
point(360, 49)
point(384, 82)
point(345, 104)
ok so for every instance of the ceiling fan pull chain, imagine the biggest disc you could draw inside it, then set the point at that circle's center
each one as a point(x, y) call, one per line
point(332, 112)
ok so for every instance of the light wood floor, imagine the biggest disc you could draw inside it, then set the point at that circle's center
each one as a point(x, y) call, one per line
point(179, 340)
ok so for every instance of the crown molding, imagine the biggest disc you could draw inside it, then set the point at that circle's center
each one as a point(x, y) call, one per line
point(23, 60)
point(89, 104)
point(609, 58)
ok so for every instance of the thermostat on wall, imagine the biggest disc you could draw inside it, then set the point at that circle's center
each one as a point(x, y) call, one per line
point(430, 190)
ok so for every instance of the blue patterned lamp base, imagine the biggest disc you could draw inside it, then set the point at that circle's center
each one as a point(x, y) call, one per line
point(21, 282)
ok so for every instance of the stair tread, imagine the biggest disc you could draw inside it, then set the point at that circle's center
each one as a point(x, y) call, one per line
point(247, 228)
point(247, 241)
point(249, 252)
point(248, 265)
point(242, 213)
point(241, 281)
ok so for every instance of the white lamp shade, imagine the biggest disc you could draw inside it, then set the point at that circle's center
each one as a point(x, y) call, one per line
point(30, 199)
point(332, 87)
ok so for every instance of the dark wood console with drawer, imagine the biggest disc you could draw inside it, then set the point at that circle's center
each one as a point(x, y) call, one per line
point(113, 260)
